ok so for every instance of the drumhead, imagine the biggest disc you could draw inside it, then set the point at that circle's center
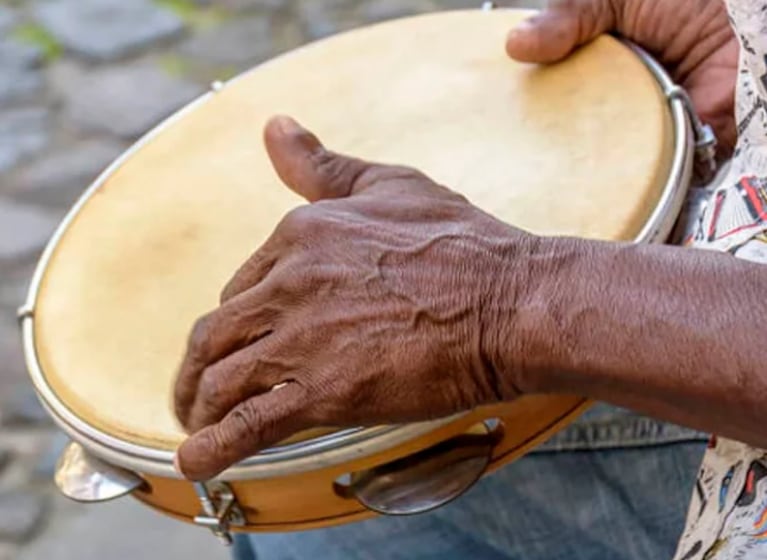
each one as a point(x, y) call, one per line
point(579, 148)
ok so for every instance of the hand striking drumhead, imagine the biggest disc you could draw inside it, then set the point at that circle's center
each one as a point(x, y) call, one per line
point(579, 148)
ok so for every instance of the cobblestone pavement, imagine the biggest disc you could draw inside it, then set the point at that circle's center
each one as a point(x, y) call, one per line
point(69, 104)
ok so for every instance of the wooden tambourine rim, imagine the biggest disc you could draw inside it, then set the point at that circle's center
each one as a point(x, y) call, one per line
point(346, 445)
point(177, 500)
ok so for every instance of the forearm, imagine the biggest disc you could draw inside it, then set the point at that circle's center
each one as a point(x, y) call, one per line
point(676, 333)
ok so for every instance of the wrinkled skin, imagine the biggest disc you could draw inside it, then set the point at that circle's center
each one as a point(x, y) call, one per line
point(378, 303)
point(362, 304)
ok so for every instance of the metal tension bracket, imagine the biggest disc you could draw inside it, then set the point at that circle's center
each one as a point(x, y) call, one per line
point(705, 139)
point(220, 509)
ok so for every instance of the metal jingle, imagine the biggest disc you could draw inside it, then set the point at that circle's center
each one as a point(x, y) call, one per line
point(429, 479)
point(85, 478)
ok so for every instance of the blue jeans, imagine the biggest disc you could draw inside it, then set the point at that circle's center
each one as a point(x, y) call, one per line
point(612, 486)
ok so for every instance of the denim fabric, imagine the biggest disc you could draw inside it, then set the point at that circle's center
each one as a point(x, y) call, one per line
point(586, 496)
point(608, 427)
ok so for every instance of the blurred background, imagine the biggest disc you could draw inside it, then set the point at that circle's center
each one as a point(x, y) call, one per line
point(80, 80)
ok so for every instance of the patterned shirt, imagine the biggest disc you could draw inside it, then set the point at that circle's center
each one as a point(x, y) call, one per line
point(727, 518)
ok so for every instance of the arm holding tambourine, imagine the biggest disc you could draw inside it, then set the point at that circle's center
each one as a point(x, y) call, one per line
point(392, 299)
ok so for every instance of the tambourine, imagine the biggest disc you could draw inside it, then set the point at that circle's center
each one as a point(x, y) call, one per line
point(598, 146)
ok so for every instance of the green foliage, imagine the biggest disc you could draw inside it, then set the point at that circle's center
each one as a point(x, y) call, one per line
point(36, 35)
point(174, 65)
point(192, 14)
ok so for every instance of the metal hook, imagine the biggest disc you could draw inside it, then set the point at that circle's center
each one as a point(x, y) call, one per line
point(705, 139)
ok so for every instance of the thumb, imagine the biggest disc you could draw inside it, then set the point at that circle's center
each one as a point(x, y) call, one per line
point(304, 165)
point(554, 33)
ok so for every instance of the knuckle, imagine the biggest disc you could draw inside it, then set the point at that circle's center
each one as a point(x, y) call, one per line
point(245, 422)
point(199, 339)
point(241, 281)
point(292, 283)
point(454, 200)
point(217, 441)
point(328, 206)
point(232, 288)
point(210, 391)
point(459, 203)
point(302, 221)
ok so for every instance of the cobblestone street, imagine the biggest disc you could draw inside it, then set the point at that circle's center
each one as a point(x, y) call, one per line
point(80, 80)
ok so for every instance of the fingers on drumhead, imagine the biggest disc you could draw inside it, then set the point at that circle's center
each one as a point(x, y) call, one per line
point(251, 371)
point(554, 33)
point(231, 327)
point(253, 425)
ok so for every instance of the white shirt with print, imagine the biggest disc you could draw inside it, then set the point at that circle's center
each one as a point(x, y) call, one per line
point(727, 517)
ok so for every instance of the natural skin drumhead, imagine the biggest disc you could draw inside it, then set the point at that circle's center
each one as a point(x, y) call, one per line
point(579, 148)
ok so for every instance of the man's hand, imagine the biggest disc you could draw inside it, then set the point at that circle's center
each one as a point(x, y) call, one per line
point(691, 38)
point(392, 299)
point(373, 305)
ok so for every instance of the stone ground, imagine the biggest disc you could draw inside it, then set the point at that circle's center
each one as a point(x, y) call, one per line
point(79, 81)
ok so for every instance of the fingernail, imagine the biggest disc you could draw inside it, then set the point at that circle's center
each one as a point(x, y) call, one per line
point(522, 27)
point(287, 125)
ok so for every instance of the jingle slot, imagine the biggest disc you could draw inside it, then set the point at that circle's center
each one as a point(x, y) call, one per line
point(428, 479)
point(84, 478)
